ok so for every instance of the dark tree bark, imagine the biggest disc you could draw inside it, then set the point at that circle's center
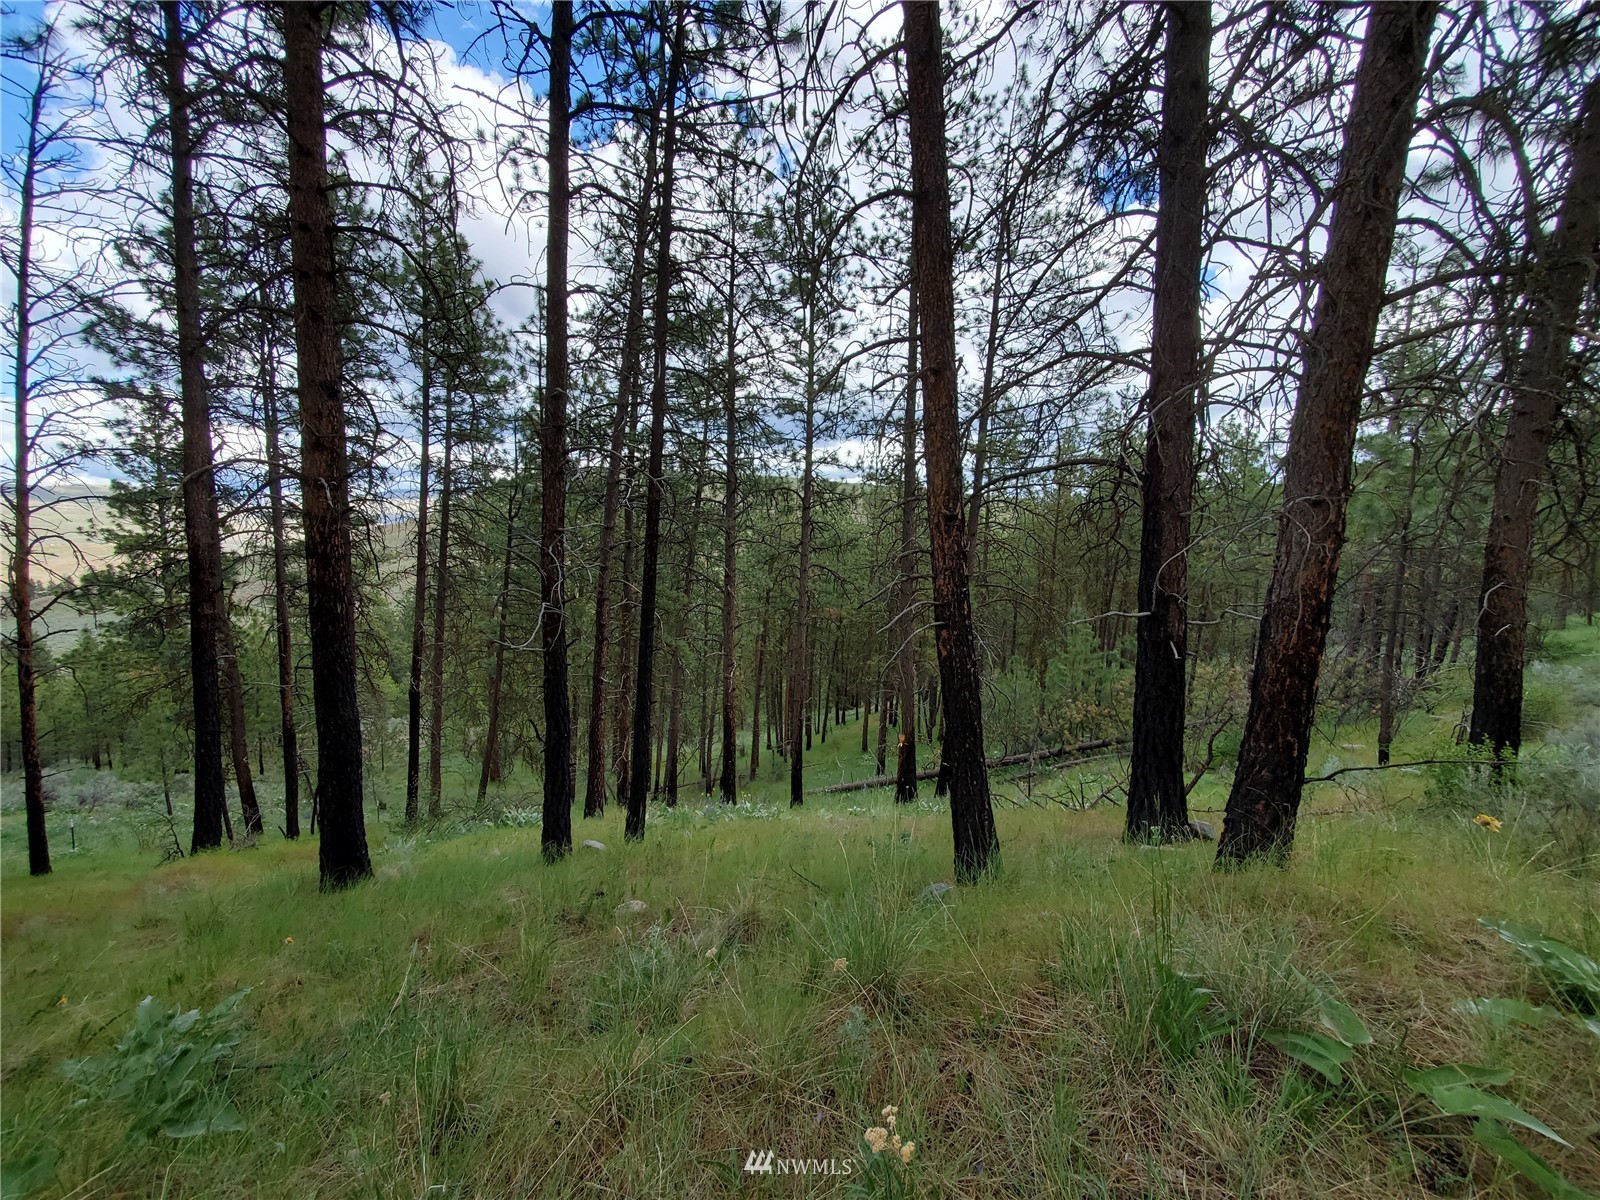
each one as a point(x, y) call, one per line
point(419, 593)
point(1393, 632)
point(905, 629)
point(202, 536)
point(626, 659)
point(441, 590)
point(489, 771)
point(594, 792)
point(325, 466)
point(977, 845)
point(1157, 805)
point(661, 748)
point(644, 676)
point(799, 694)
point(1433, 638)
point(280, 593)
point(1566, 265)
point(825, 707)
point(680, 633)
point(1265, 799)
point(555, 834)
point(991, 354)
point(756, 698)
point(883, 726)
point(22, 554)
point(730, 545)
point(238, 735)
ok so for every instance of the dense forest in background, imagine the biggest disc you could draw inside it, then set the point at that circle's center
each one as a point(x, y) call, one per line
point(1179, 381)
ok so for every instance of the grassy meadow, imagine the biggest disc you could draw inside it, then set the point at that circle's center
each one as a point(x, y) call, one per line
point(1098, 1021)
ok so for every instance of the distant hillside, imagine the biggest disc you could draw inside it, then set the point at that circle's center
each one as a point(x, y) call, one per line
point(62, 519)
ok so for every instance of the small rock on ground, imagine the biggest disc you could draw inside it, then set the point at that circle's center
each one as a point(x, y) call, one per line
point(591, 844)
point(631, 908)
point(937, 891)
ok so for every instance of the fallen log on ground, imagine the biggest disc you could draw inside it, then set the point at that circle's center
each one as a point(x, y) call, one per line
point(1009, 760)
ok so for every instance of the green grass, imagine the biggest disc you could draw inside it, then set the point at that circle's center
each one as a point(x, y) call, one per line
point(474, 1023)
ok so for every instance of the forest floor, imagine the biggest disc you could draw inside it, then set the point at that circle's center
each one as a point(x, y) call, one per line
point(1097, 1021)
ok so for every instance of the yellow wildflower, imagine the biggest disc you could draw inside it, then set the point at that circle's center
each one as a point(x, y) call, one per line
point(1492, 824)
point(61, 1003)
point(907, 1151)
point(876, 1138)
point(288, 941)
point(840, 964)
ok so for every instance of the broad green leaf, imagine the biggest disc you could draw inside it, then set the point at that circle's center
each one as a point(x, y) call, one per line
point(1454, 1074)
point(25, 1175)
point(1316, 1050)
point(1502, 1011)
point(1460, 1099)
point(1341, 1020)
point(1570, 972)
point(226, 1006)
point(1495, 1138)
point(217, 1118)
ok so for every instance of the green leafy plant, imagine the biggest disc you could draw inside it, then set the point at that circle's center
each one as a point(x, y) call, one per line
point(164, 1069)
point(1457, 1090)
point(1505, 1011)
point(27, 1173)
point(1571, 975)
point(1321, 1052)
point(1495, 1138)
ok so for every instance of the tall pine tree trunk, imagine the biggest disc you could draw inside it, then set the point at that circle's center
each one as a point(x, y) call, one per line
point(280, 590)
point(905, 629)
point(238, 735)
point(1157, 804)
point(202, 537)
point(489, 770)
point(324, 459)
point(1389, 680)
point(441, 588)
point(644, 676)
point(594, 792)
point(555, 834)
point(680, 633)
point(801, 666)
point(756, 697)
point(977, 845)
point(627, 615)
point(730, 547)
point(419, 594)
point(1316, 486)
point(22, 553)
point(1566, 266)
